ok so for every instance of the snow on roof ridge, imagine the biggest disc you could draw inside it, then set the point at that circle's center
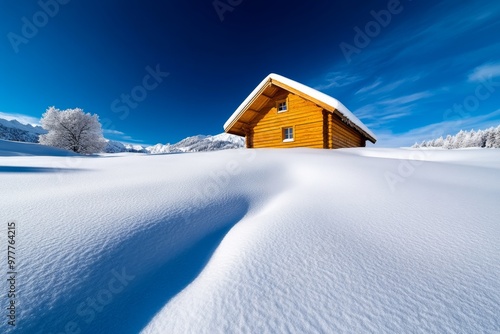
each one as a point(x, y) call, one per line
point(306, 90)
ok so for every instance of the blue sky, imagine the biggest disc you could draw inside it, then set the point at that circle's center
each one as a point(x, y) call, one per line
point(159, 71)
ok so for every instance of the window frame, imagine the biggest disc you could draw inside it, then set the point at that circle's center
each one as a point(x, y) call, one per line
point(278, 102)
point(283, 134)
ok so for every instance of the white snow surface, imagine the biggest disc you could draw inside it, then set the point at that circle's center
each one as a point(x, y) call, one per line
point(255, 241)
point(13, 148)
point(306, 90)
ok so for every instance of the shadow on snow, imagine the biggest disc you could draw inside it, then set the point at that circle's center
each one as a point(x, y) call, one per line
point(26, 169)
point(158, 276)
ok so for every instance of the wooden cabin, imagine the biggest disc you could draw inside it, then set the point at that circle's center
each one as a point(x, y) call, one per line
point(284, 113)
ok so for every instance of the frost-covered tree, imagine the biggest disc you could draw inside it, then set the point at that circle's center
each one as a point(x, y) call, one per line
point(448, 142)
point(72, 129)
point(439, 142)
point(497, 137)
point(489, 138)
point(459, 140)
point(479, 140)
point(468, 139)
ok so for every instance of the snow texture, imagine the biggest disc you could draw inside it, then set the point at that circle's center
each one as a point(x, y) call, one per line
point(255, 241)
point(306, 90)
point(10, 148)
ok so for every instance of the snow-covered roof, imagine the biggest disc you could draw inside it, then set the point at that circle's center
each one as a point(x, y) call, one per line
point(311, 92)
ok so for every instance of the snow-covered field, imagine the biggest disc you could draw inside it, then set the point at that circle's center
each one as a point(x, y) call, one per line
point(253, 241)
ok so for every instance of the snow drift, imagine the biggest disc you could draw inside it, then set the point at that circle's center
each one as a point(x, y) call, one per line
point(256, 241)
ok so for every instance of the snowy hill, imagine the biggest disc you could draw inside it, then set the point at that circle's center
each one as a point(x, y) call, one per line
point(13, 148)
point(256, 241)
point(15, 131)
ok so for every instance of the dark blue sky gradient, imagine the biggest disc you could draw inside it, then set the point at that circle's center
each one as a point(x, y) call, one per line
point(402, 84)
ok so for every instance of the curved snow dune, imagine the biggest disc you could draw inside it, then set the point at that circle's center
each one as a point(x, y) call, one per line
point(340, 252)
point(103, 247)
point(299, 241)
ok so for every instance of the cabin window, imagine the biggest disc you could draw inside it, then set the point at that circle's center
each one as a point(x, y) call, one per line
point(282, 106)
point(288, 134)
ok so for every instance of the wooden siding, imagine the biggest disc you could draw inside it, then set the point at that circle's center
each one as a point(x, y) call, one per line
point(344, 135)
point(305, 116)
point(327, 129)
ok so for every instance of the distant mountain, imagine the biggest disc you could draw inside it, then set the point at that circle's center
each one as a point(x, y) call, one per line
point(15, 131)
point(118, 147)
point(200, 143)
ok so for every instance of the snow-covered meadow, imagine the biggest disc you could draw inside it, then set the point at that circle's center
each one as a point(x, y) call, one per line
point(254, 241)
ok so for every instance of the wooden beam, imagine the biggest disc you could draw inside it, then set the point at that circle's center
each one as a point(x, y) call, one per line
point(253, 114)
point(249, 104)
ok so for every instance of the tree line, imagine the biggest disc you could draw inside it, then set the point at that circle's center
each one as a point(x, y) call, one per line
point(489, 138)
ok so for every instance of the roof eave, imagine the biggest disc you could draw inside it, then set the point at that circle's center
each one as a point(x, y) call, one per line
point(247, 103)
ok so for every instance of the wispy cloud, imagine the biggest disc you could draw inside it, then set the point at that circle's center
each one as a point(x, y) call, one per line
point(379, 115)
point(368, 88)
point(21, 118)
point(393, 116)
point(112, 132)
point(392, 86)
point(366, 112)
point(386, 111)
point(485, 71)
point(337, 79)
point(129, 138)
point(444, 21)
point(435, 130)
point(401, 75)
point(133, 141)
point(407, 98)
point(460, 19)
point(121, 137)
